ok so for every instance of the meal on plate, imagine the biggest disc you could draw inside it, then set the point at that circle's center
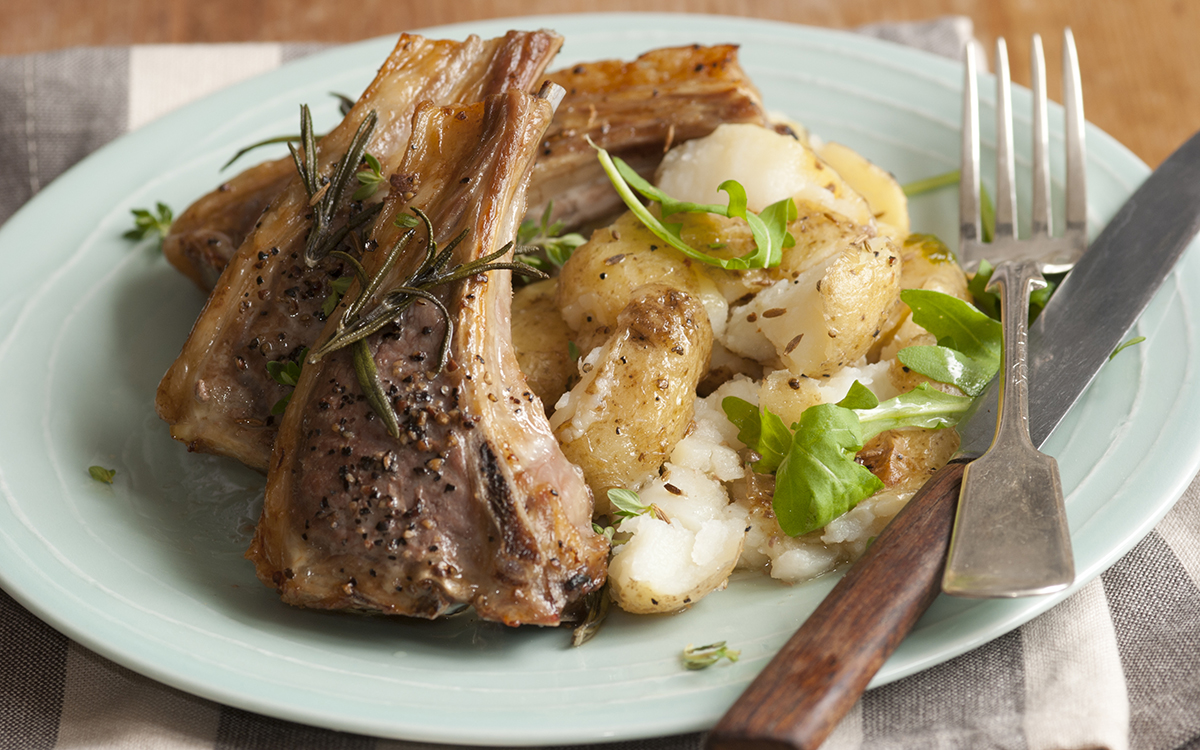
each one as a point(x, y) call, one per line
point(742, 358)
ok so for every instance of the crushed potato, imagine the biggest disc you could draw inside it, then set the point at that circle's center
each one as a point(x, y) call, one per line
point(664, 339)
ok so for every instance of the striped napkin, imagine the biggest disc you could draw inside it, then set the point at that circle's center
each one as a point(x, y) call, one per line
point(1115, 666)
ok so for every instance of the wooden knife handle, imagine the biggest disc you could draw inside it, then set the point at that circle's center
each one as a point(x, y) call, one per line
point(822, 670)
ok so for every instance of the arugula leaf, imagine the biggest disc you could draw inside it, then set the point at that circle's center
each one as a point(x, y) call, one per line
point(990, 302)
point(923, 406)
point(702, 657)
point(147, 224)
point(1131, 342)
point(762, 431)
point(768, 228)
point(969, 342)
point(101, 474)
point(987, 210)
point(816, 476)
point(819, 480)
point(859, 397)
point(929, 184)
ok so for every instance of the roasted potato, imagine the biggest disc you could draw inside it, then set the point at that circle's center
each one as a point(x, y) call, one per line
point(635, 398)
point(542, 341)
point(826, 318)
point(604, 273)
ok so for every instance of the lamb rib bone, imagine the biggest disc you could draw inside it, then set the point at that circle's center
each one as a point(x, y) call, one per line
point(218, 396)
point(474, 503)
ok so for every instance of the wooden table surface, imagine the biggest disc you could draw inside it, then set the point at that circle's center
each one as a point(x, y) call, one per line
point(1137, 55)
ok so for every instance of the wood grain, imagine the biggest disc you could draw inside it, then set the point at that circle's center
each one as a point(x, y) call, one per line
point(822, 670)
point(1138, 58)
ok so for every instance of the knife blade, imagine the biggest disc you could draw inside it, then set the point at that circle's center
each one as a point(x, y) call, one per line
point(815, 679)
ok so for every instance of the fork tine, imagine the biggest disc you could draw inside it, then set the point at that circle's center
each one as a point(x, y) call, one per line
point(1076, 151)
point(1006, 186)
point(970, 226)
point(1041, 143)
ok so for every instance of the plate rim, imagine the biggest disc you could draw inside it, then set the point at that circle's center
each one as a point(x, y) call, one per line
point(169, 122)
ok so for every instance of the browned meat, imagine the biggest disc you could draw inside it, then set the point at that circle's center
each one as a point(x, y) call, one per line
point(218, 395)
point(471, 501)
point(209, 232)
point(636, 110)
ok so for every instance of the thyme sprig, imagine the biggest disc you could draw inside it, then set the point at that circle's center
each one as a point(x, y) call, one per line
point(325, 193)
point(357, 323)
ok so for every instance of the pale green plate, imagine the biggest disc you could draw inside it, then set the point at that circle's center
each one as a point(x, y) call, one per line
point(149, 572)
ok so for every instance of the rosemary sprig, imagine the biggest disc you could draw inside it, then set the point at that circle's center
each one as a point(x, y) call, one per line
point(357, 323)
point(597, 604)
point(345, 104)
point(325, 193)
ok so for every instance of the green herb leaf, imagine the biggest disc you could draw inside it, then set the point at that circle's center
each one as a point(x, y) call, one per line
point(147, 224)
point(761, 430)
point(769, 228)
point(929, 184)
point(287, 373)
point(969, 342)
point(1131, 342)
point(987, 210)
point(819, 480)
point(923, 406)
point(548, 239)
point(859, 397)
point(989, 302)
point(702, 657)
point(573, 351)
point(337, 288)
point(369, 179)
point(101, 474)
point(626, 502)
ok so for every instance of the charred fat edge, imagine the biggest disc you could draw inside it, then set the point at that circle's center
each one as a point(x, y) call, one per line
point(218, 396)
point(474, 503)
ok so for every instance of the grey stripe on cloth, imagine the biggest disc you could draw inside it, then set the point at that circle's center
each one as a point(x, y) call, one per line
point(1157, 619)
point(55, 109)
point(33, 665)
point(973, 701)
point(1077, 677)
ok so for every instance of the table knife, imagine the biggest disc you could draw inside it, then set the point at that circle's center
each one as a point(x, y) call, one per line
point(815, 679)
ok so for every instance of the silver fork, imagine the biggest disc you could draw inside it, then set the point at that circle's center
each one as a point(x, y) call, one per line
point(1010, 533)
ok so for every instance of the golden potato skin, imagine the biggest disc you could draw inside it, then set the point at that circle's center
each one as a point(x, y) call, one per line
point(603, 274)
point(908, 457)
point(542, 340)
point(636, 401)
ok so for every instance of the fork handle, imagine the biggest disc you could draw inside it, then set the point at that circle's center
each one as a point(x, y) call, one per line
point(1015, 280)
point(816, 678)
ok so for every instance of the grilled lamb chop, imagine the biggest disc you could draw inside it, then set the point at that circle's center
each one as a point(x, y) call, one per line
point(470, 501)
point(636, 110)
point(218, 396)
